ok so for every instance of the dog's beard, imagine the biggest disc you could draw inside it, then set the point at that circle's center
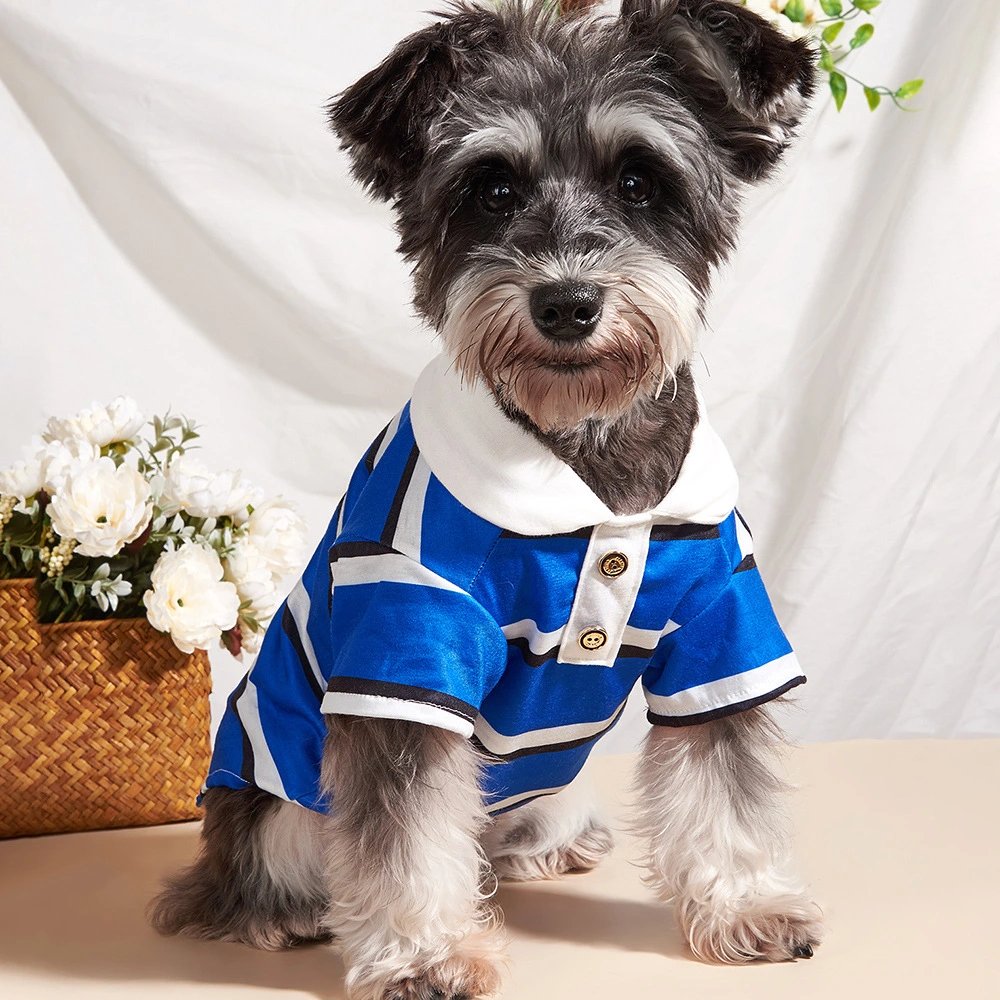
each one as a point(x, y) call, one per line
point(647, 328)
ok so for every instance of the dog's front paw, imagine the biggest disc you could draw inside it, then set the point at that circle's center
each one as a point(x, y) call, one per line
point(453, 979)
point(779, 929)
point(457, 977)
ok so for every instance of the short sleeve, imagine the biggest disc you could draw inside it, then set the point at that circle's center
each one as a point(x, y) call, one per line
point(407, 643)
point(728, 658)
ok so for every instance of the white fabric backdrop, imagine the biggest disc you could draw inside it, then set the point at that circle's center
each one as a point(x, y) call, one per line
point(176, 224)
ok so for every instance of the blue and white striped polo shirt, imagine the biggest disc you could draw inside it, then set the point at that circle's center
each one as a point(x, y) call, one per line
point(470, 580)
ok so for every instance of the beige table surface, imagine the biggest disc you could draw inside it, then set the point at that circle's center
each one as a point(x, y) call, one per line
point(899, 840)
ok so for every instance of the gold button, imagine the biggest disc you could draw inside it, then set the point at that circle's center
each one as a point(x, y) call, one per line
point(614, 564)
point(593, 638)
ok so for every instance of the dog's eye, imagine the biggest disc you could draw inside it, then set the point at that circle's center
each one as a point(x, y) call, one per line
point(497, 194)
point(636, 186)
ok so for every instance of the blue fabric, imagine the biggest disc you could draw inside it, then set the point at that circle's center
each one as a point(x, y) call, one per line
point(392, 619)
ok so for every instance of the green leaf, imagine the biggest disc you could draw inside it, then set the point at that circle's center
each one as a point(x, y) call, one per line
point(795, 10)
point(909, 89)
point(831, 31)
point(832, 8)
point(866, 5)
point(826, 62)
point(838, 87)
point(873, 97)
point(862, 35)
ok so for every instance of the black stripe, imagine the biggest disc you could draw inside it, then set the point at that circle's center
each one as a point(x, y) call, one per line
point(389, 531)
point(639, 652)
point(579, 533)
point(721, 713)
point(548, 747)
point(373, 450)
point(683, 532)
point(748, 562)
point(532, 659)
point(745, 525)
point(291, 629)
point(403, 692)
point(348, 550)
point(246, 765)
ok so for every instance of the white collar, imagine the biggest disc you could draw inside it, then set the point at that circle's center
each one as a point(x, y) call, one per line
point(502, 473)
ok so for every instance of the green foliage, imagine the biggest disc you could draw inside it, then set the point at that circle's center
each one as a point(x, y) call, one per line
point(830, 32)
point(830, 55)
point(909, 89)
point(862, 35)
point(838, 87)
point(795, 10)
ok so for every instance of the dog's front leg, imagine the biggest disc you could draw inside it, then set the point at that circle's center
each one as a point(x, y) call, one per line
point(710, 811)
point(404, 863)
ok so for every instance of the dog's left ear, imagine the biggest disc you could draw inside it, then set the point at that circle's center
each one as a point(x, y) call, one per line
point(748, 83)
point(383, 119)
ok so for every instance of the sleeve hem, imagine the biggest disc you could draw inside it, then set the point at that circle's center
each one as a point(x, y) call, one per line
point(377, 706)
point(711, 715)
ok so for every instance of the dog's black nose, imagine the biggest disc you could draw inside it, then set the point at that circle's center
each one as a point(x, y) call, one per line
point(567, 309)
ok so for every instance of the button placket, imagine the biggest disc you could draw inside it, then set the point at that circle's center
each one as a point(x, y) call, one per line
point(606, 592)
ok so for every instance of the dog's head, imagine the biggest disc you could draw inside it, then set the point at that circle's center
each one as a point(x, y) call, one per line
point(566, 183)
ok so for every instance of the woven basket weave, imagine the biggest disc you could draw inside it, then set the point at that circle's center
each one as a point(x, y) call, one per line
point(102, 723)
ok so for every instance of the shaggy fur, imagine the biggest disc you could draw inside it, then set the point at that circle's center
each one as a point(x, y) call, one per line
point(564, 187)
point(708, 809)
point(257, 877)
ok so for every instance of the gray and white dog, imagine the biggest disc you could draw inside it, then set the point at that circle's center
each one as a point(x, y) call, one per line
point(565, 183)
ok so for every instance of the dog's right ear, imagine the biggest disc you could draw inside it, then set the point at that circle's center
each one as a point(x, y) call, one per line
point(383, 119)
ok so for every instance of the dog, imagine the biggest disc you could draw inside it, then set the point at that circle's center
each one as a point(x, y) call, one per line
point(550, 518)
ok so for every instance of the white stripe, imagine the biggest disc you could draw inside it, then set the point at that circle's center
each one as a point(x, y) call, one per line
point(727, 691)
point(646, 638)
point(411, 514)
point(539, 642)
point(521, 796)
point(744, 538)
point(390, 433)
point(265, 771)
point(298, 605)
point(389, 568)
point(376, 706)
point(499, 744)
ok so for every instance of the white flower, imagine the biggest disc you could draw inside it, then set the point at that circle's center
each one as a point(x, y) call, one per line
point(247, 568)
point(189, 598)
point(120, 420)
point(23, 479)
point(59, 458)
point(250, 641)
point(192, 487)
point(771, 11)
point(45, 466)
point(101, 506)
point(280, 534)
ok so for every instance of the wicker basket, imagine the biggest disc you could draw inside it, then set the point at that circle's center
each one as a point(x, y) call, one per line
point(102, 724)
